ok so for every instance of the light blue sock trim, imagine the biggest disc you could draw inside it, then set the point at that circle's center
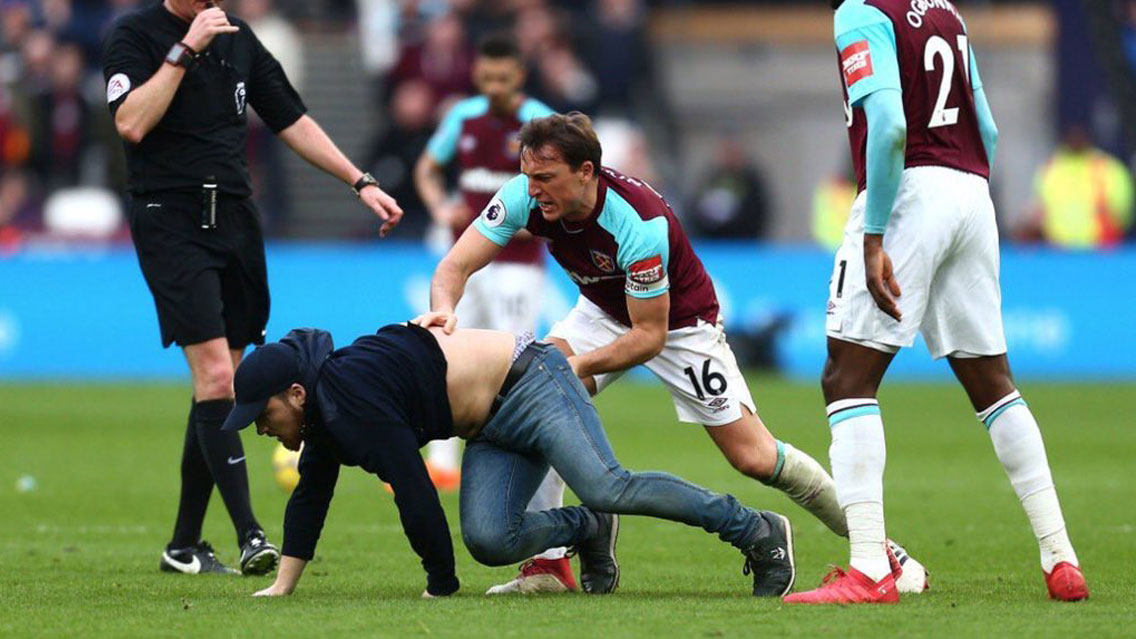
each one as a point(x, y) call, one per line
point(780, 462)
point(845, 415)
point(996, 414)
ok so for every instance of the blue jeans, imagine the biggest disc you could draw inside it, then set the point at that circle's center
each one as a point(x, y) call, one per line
point(548, 419)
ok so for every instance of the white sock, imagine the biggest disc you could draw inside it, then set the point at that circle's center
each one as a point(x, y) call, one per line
point(549, 495)
point(445, 454)
point(806, 482)
point(1017, 442)
point(858, 454)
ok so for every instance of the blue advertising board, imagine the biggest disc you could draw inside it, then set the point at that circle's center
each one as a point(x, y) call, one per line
point(85, 314)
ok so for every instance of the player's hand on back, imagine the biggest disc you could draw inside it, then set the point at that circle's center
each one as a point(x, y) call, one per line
point(205, 27)
point(383, 206)
point(880, 276)
point(446, 319)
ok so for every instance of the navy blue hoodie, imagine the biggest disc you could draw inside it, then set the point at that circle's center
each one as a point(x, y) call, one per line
point(373, 404)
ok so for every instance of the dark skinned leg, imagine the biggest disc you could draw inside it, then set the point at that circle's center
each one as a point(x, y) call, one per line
point(985, 379)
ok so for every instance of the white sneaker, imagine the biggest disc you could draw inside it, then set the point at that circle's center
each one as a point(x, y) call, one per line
point(913, 579)
point(539, 575)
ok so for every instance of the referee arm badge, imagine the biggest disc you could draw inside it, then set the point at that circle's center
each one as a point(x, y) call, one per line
point(117, 86)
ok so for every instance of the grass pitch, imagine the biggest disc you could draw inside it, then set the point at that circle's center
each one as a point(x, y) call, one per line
point(79, 551)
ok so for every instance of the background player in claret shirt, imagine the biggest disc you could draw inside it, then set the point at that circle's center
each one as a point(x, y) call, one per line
point(480, 135)
point(920, 253)
point(645, 298)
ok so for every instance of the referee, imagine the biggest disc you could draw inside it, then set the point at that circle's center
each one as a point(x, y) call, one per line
point(180, 75)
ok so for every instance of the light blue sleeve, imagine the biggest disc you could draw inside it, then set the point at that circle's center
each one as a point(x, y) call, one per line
point(444, 143)
point(857, 27)
point(887, 147)
point(975, 78)
point(986, 127)
point(643, 247)
point(507, 212)
point(532, 109)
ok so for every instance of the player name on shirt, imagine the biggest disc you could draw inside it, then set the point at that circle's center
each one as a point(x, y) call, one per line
point(919, 8)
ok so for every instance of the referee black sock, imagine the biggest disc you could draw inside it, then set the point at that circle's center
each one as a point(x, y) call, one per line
point(196, 487)
point(225, 456)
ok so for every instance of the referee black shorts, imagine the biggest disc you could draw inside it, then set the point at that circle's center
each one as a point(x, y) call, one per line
point(206, 283)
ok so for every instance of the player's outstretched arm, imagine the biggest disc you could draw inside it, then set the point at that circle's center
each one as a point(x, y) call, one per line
point(468, 255)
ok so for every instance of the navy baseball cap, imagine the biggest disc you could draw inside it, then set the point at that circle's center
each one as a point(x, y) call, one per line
point(267, 371)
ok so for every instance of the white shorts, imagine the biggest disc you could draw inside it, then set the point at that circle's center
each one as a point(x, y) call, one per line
point(503, 296)
point(696, 365)
point(943, 242)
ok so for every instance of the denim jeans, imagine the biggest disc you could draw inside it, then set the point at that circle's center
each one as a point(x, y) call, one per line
point(548, 419)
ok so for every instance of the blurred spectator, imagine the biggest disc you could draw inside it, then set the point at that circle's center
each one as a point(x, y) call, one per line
point(732, 202)
point(61, 120)
point(265, 155)
point(15, 144)
point(557, 74)
point(619, 53)
point(566, 84)
point(1084, 196)
point(378, 34)
point(443, 60)
point(15, 24)
point(394, 152)
point(625, 149)
point(18, 214)
point(832, 202)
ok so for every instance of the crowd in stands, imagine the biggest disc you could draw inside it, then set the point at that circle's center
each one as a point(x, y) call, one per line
point(58, 146)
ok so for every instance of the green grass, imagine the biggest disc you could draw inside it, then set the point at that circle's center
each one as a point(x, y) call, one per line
point(79, 555)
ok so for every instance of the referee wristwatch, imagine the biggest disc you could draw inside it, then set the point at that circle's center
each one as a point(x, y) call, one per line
point(363, 182)
point(181, 55)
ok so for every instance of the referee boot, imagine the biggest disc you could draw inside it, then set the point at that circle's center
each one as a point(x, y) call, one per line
point(258, 555)
point(197, 559)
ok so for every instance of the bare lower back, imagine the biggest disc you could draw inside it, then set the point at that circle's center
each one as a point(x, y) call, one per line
point(477, 362)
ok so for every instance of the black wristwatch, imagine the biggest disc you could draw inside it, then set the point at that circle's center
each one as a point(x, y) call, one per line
point(364, 181)
point(181, 55)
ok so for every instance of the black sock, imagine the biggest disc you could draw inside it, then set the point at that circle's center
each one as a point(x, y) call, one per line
point(196, 487)
point(226, 459)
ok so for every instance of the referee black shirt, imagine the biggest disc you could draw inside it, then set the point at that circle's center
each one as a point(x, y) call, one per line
point(203, 132)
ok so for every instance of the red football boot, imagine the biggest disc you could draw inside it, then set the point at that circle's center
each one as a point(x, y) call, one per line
point(852, 587)
point(1066, 583)
point(539, 575)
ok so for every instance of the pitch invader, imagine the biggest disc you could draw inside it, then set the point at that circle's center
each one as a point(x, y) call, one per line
point(920, 254)
point(479, 134)
point(645, 298)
